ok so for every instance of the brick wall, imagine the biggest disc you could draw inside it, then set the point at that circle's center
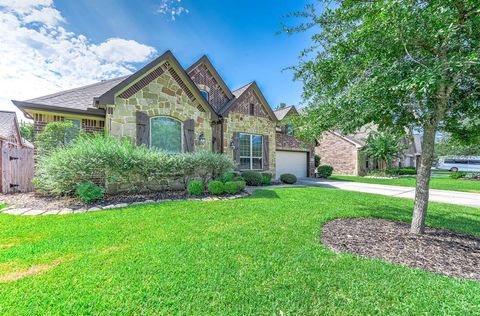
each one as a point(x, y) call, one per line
point(244, 103)
point(287, 142)
point(338, 153)
point(204, 78)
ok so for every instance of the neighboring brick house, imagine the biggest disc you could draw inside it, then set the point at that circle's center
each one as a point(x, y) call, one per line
point(293, 155)
point(162, 105)
point(344, 152)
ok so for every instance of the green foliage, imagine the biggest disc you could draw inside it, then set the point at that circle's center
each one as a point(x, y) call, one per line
point(266, 178)
point(317, 160)
point(55, 136)
point(89, 192)
point(241, 185)
point(231, 187)
point(216, 187)
point(288, 178)
point(401, 171)
point(26, 131)
point(106, 159)
point(228, 176)
point(449, 146)
point(324, 171)
point(195, 187)
point(457, 175)
point(253, 178)
point(384, 146)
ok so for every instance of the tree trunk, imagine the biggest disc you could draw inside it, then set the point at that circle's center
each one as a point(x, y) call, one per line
point(423, 180)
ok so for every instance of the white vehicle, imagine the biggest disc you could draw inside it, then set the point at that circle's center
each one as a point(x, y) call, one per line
point(466, 164)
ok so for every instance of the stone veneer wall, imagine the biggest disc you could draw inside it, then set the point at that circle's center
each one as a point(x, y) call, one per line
point(237, 122)
point(161, 97)
point(291, 143)
point(338, 153)
point(203, 78)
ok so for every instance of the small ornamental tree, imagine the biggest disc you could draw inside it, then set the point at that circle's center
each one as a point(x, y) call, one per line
point(26, 131)
point(55, 136)
point(384, 146)
point(399, 64)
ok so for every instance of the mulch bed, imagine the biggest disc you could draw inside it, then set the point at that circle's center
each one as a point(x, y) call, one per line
point(438, 250)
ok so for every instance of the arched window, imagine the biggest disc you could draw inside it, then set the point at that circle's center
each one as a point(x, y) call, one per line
point(204, 94)
point(166, 134)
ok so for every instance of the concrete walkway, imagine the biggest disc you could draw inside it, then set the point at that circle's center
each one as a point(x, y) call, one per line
point(444, 196)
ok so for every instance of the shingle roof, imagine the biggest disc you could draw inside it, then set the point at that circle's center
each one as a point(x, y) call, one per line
point(281, 113)
point(7, 124)
point(79, 98)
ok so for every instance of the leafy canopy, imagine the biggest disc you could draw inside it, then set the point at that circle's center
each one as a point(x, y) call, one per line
point(384, 146)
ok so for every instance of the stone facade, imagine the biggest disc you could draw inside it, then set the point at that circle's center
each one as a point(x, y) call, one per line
point(204, 79)
point(161, 97)
point(339, 153)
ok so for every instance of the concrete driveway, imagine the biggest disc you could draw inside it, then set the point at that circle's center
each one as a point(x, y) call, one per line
point(444, 196)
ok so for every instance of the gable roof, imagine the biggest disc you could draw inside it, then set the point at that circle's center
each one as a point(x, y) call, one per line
point(240, 91)
point(77, 100)
point(109, 96)
point(204, 60)
point(281, 113)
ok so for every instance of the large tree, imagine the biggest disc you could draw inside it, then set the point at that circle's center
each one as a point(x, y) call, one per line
point(401, 64)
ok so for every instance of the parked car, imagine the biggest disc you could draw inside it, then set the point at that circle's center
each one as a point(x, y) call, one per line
point(466, 164)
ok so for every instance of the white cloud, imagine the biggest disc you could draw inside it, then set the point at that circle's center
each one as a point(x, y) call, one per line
point(172, 8)
point(39, 56)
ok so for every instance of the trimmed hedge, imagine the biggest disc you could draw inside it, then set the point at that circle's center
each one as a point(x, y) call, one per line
point(195, 187)
point(216, 187)
point(253, 178)
point(401, 171)
point(102, 159)
point(231, 187)
point(266, 178)
point(241, 185)
point(457, 175)
point(288, 178)
point(324, 171)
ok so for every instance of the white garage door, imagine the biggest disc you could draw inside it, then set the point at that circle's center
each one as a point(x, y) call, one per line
point(291, 162)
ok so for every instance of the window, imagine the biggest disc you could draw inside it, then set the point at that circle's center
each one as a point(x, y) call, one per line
point(166, 134)
point(251, 152)
point(204, 94)
point(290, 131)
point(252, 109)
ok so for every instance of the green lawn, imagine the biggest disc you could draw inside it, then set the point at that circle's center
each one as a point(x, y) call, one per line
point(257, 255)
point(442, 182)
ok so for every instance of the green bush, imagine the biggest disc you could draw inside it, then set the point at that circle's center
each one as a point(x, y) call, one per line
point(401, 171)
point(89, 192)
point(241, 185)
point(55, 136)
point(266, 178)
point(288, 178)
point(228, 176)
point(106, 159)
point(216, 187)
point(324, 171)
point(457, 175)
point(317, 160)
point(195, 187)
point(253, 178)
point(239, 178)
point(231, 187)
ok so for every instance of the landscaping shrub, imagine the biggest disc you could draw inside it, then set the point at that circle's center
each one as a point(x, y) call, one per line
point(228, 176)
point(89, 192)
point(457, 175)
point(106, 159)
point(317, 160)
point(288, 178)
point(55, 136)
point(266, 178)
point(324, 171)
point(401, 171)
point(231, 187)
point(241, 185)
point(195, 187)
point(253, 178)
point(216, 187)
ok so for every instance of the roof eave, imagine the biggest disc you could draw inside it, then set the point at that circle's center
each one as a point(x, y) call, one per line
point(23, 105)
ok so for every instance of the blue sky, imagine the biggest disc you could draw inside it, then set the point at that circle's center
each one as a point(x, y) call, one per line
point(116, 37)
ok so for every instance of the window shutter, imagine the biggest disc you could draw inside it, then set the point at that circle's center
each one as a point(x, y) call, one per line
point(236, 151)
point(189, 136)
point(266, 165)
point(143, 129)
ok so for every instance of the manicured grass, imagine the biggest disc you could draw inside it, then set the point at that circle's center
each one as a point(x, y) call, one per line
point(437, 182)
point(258, 255)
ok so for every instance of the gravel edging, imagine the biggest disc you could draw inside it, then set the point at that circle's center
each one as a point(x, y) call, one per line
point(438, 250)
point(20, 203)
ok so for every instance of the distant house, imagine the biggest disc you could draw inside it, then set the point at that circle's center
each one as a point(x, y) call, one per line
point(168, 107)
point(344, 152)
point(16, 156)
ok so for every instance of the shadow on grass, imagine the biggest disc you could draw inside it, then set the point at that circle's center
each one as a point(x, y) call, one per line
point(264, 194)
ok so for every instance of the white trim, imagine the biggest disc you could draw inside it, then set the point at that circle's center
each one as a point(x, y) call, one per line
point(169, 117)
point(251, 157)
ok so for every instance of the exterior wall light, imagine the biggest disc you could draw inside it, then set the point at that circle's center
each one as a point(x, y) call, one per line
point(201, 139)
point(232, 145)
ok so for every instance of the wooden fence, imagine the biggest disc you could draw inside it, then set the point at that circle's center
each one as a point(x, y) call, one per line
point(16, 168)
